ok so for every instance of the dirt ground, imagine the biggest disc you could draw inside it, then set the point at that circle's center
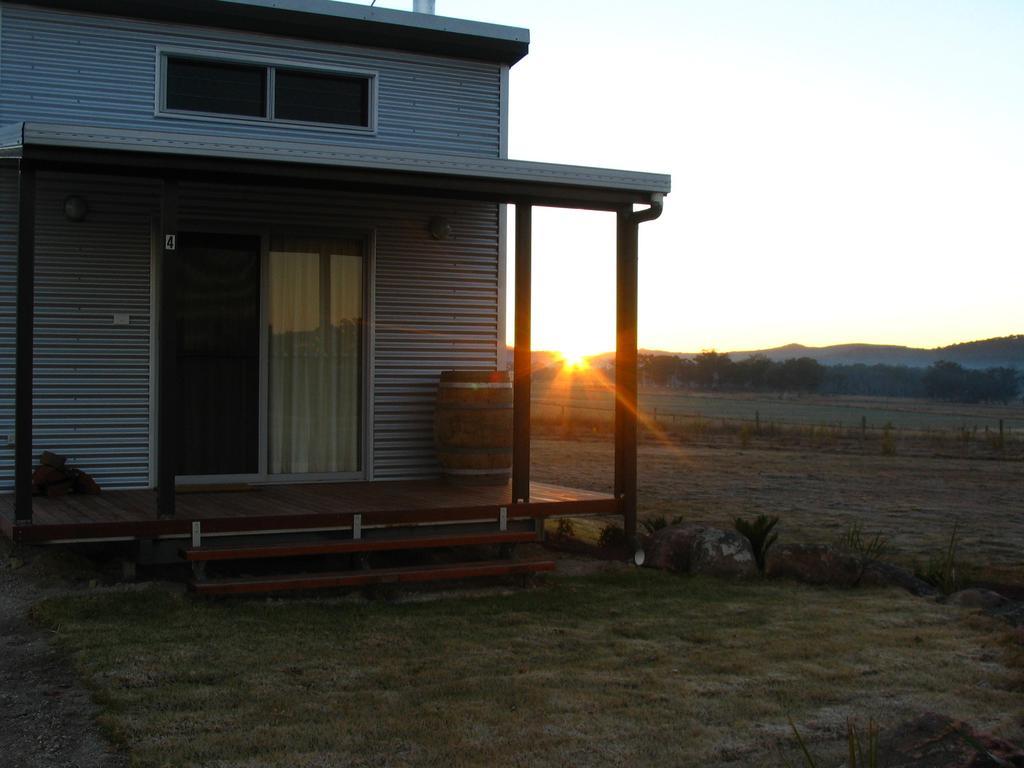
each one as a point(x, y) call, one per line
point(49, 718)
point(913, 501)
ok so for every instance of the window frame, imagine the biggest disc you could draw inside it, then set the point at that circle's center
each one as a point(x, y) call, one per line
point(270, 66)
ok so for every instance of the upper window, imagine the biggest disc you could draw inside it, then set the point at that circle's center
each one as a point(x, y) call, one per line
point(313, 97)
point(208, 86)
point(266, 92)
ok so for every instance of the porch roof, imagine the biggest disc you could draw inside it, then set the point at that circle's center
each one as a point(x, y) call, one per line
point(454, 176)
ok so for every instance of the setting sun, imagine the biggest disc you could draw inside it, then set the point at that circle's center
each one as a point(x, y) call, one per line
point(574, 361)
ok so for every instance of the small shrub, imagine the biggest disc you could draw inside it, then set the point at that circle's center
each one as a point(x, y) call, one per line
point(997, 442)
point(867, 549)
point(565, 529)
point(652, 525)
point(612, 537)
point(860, 753)
point(759, 534)
point(888, 440)
point(943, 571)
point(856, 542)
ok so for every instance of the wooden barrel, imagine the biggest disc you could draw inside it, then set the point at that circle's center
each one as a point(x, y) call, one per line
point(473, 427)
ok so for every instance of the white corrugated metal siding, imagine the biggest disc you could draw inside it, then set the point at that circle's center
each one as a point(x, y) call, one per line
point(61, 67)
point(91, 377)
point(436, 308)
point(8, 308)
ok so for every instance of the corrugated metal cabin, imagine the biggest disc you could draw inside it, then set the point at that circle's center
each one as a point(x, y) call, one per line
point(239, 242)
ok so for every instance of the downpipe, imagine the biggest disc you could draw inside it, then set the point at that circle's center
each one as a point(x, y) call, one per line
point(636, 218)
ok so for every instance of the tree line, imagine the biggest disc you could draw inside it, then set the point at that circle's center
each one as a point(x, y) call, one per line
point(942, 380)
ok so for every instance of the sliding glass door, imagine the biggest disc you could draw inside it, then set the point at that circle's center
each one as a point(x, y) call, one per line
point(315, 311)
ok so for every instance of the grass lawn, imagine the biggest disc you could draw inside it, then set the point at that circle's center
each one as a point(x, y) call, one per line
point(625, 667)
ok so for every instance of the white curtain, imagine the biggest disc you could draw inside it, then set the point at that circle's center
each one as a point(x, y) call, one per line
point(316, 321)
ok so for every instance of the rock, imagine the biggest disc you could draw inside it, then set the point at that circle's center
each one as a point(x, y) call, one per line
point(822, 564)
point(880, 574)
point(937, 741)
point(985, 599)
point(813, 564)
point(699, 549)
point(1013, 614)
point(669, 548)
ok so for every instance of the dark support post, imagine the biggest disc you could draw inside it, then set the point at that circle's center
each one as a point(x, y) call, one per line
point(627, 231)
point(167, 373)
point(521, 360)
point(23, 343)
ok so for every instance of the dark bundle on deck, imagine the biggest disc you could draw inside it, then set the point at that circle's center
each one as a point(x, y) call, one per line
point(53, 477)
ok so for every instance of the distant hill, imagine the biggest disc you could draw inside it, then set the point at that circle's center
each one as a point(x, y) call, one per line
point(1005, 351)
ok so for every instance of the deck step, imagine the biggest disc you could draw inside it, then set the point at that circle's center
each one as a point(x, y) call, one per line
point(407, 575)
point(344, 546)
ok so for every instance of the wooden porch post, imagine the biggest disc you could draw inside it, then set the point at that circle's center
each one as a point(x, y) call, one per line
point(521, 358)
point(167, 372)
point(23, 343)
point(627, 237)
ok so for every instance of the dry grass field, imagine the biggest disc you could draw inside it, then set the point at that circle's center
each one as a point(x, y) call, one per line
point(584, 398)
point(913, 501)
point(817, 479)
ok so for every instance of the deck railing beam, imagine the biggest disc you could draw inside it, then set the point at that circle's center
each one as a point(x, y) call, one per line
point(521, 357)
point(627, 237)
point(24, 339)
point(167, 371)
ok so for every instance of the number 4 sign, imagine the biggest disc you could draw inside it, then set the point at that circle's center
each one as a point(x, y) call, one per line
point(170, 241)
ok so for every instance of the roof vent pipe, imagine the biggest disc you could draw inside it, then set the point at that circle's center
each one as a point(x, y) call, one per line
point(423, 6)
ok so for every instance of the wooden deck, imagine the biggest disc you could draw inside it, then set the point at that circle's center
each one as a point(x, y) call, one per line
point(132, 514)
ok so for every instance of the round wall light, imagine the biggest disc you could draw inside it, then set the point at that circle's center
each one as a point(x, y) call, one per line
point(76, 208)
point(439, 228)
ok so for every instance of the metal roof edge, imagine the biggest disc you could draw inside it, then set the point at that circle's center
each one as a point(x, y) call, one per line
point(351, 11)
point(326, 20)
point(91, 137)
point(12, 135)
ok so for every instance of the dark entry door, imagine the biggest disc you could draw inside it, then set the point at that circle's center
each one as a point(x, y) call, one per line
point(218, 354)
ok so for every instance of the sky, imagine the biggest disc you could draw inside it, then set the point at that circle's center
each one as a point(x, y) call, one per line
point(842, 171)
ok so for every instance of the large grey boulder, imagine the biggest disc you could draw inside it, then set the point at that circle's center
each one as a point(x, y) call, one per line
point(700, 549)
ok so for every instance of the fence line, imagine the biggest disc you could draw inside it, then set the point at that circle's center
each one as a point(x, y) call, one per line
point(662, 416)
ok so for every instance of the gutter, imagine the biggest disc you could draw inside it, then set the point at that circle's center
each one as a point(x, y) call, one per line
point(651, 213)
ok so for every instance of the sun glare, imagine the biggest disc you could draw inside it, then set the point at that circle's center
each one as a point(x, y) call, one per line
point(574, 361)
